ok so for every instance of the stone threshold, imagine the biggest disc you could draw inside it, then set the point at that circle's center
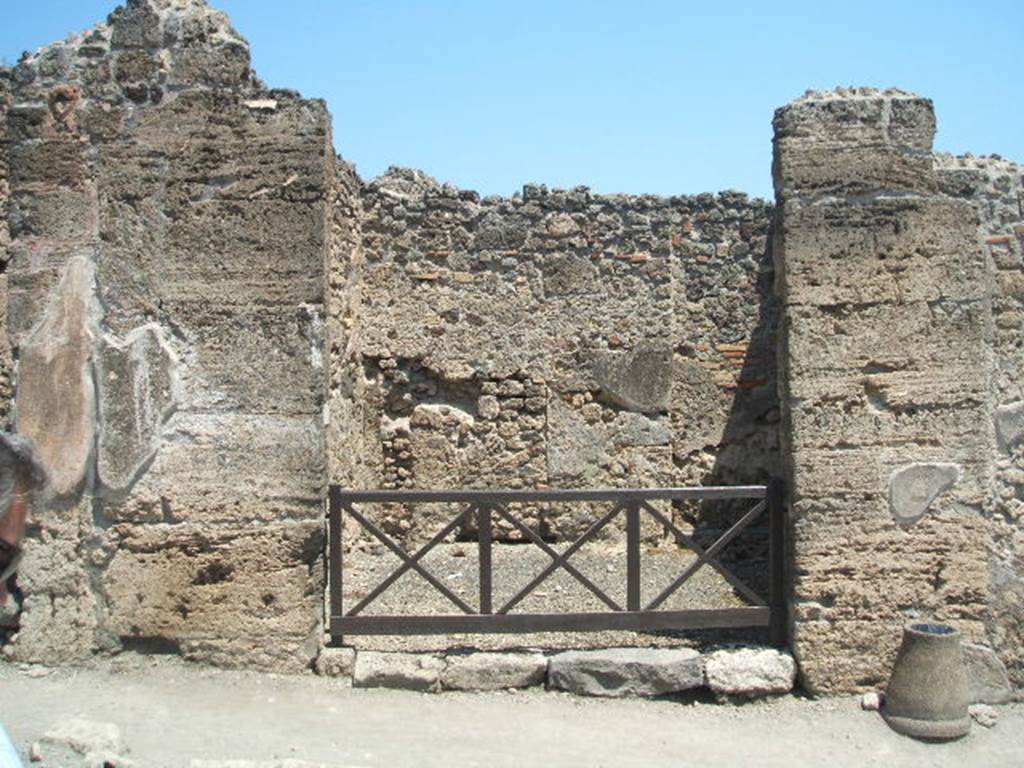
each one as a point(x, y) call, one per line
point(743, 672)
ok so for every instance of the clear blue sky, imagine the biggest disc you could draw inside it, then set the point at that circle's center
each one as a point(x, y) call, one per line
point(661, 96)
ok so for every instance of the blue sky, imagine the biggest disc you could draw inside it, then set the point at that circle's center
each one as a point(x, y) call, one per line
point(659, 96)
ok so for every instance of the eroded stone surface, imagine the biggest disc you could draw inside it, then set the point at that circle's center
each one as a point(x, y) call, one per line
point(750, 671)
point(195, 586)
point(615, 672)
point(912, 489)
point(493, 671)
point(5, 240)
point(86, 736)
point(137, 391)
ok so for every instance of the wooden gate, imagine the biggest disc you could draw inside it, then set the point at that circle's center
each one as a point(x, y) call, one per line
point(482, 507)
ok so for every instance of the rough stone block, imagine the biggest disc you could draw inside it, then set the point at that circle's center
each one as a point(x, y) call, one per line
point(409, 671)
point(987, 681)
point(825, 342)
point(274, 464)
point(837, 253)
point(135, 25)
point(336, 662)
point(236, 254)
point(750, 671)
point(878, 410)
point(59, 620)
point(855, 140)
point(87, 737)
point(493, 671)
point(861, 476)
point(227, 65)
point(1010, 424)
point(639, 381)
point(913, 488)
point(616, 672)
point(57, 162)
point(63, 213)
point(218, 593)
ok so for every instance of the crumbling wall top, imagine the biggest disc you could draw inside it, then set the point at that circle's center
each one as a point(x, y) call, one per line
point(146, 50)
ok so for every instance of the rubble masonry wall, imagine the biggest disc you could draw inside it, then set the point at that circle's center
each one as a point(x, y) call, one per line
point(210, 316)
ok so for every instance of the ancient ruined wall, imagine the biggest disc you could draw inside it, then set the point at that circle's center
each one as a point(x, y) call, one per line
point(886, 354)
point(344, 321)
point(560, 339)
point(168, 228)
point(210, 315)
point(5, 239)
point(996, 188)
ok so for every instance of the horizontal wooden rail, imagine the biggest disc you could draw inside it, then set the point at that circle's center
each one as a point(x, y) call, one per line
point(711, 618)
point(470, 495)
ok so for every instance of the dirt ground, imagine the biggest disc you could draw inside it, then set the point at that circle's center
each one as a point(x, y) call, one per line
point(171, 713)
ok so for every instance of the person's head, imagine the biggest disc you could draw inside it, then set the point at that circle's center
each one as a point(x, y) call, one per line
point(20, 471)
point(23, 482)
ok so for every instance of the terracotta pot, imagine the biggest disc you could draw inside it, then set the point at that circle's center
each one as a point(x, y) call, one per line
point(927, 694)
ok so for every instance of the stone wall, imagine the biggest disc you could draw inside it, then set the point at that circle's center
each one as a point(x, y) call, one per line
point(996, 189)
point(344, 273)
point(210, 315)
point(5, 239)
point(555, 339)
point(886, 387)
point(168, 224)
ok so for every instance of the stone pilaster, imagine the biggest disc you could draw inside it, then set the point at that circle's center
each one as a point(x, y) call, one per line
point(884, 383)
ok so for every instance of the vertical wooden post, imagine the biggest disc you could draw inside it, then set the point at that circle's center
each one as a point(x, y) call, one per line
point(334, 549)
point(778, 630)
point(633, 557)
point(483, 537)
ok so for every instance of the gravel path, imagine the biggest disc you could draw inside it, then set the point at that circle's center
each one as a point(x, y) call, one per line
point(170, 713)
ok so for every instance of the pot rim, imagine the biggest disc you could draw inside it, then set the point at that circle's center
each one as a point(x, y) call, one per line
point(931, 629)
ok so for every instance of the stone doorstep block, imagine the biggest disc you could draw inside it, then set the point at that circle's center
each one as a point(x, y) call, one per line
point(336, 662)
point(494, 671)
point(407, 671)
point(617, 672)
point(610, 672)
point(987, 680)
point(750, 672)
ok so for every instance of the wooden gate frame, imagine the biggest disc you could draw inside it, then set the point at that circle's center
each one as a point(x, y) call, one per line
point(484, 504)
